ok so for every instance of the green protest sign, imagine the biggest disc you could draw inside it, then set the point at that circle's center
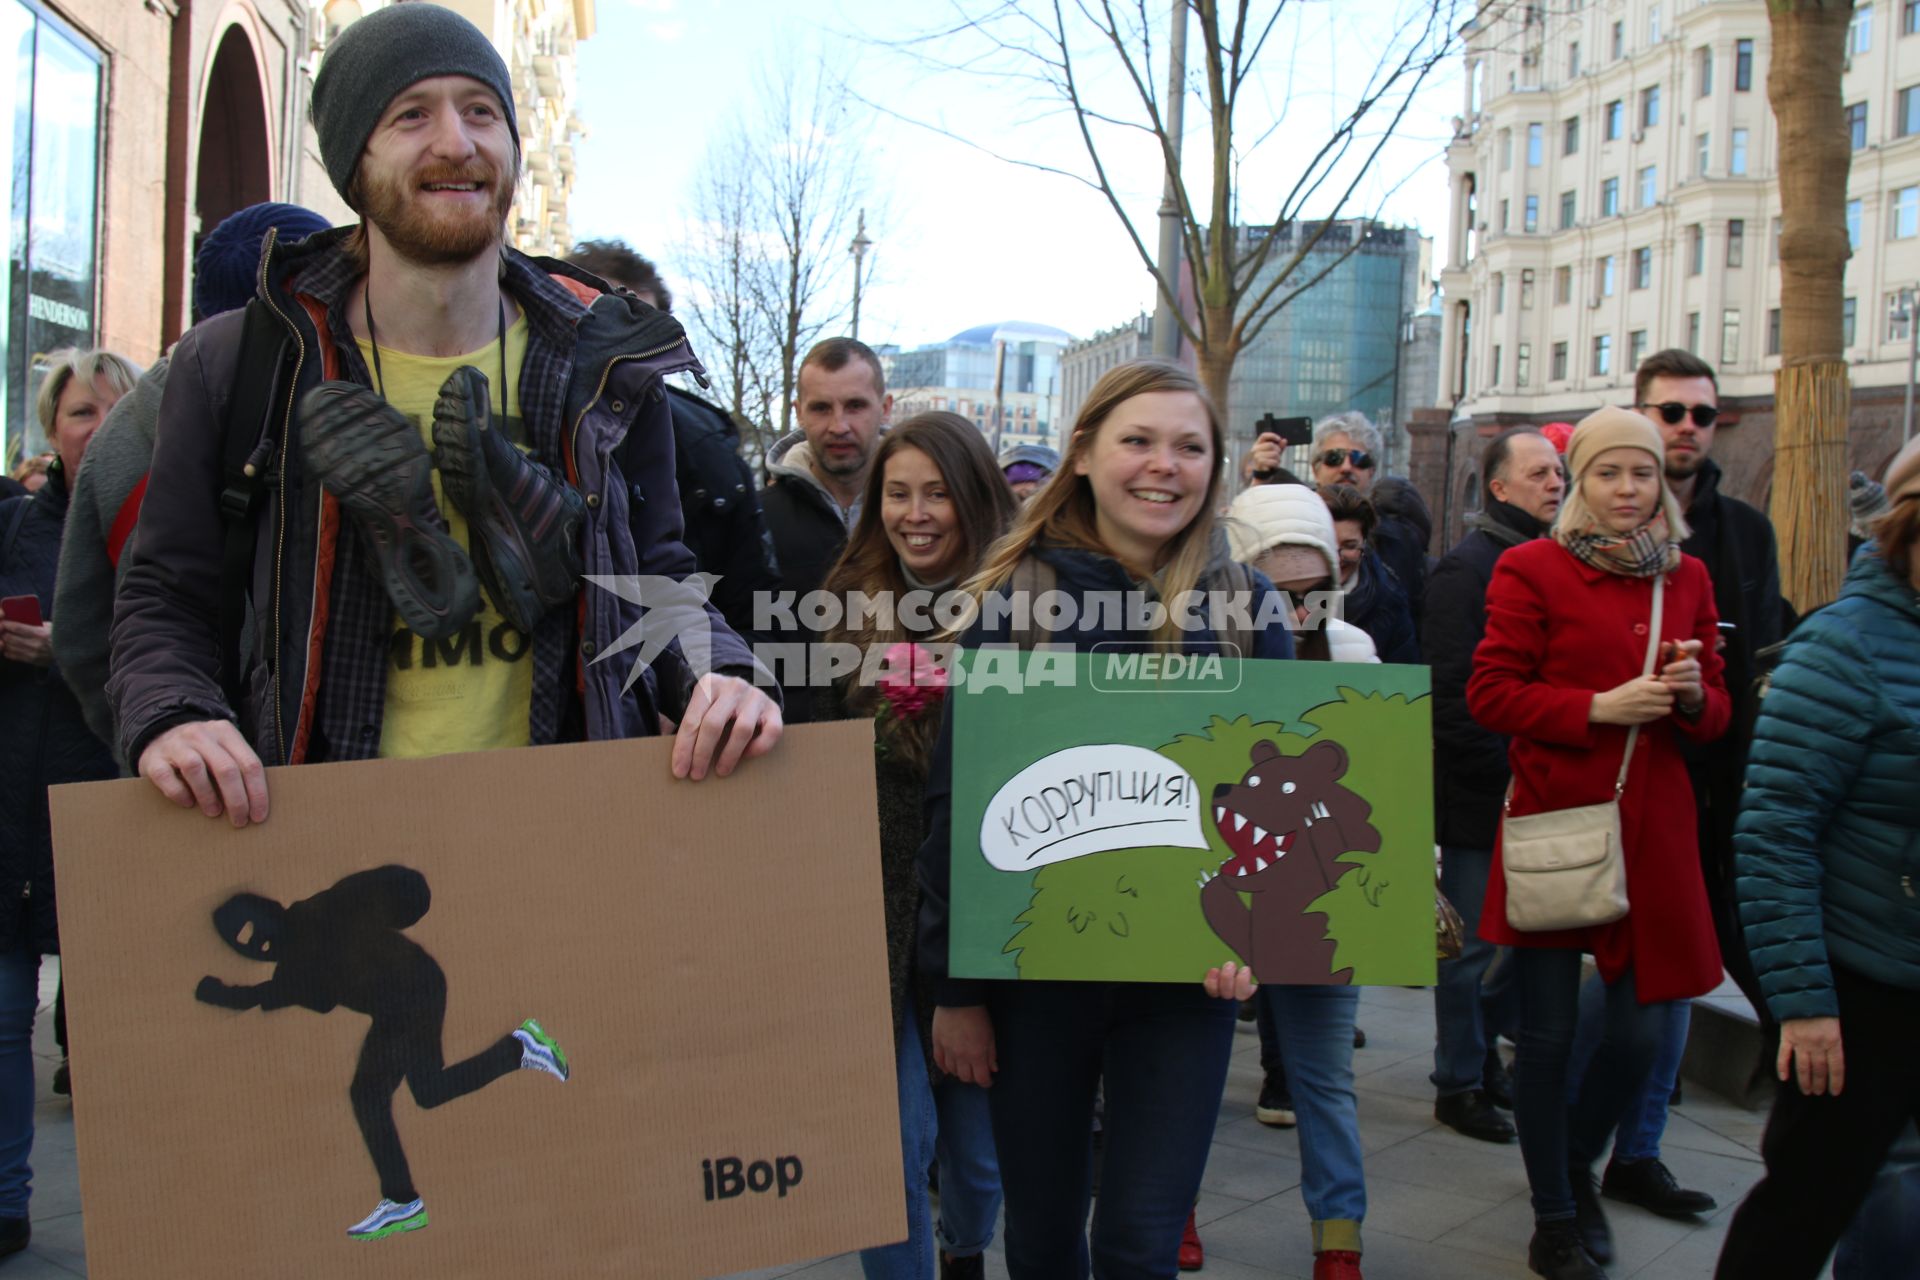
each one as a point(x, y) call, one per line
point(1137, 817)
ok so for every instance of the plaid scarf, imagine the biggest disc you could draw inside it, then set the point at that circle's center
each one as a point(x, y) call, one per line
point(1646, 552)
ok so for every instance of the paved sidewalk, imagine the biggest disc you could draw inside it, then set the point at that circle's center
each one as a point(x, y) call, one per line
point(1442, 1207)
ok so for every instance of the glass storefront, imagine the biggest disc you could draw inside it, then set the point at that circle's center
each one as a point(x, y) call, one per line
point(52, 101)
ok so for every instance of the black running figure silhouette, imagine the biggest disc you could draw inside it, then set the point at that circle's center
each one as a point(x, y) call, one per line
point(343, 947)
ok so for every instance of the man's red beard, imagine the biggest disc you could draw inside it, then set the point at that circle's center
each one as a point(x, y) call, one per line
point(402, 211)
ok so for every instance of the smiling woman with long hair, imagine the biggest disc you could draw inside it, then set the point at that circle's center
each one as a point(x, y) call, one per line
point(1131, 510)
point(1569, 622)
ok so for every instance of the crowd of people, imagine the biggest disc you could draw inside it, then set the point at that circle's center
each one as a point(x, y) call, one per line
point(244, 554)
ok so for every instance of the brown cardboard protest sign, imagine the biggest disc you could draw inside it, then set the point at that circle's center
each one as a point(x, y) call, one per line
point(709, 958)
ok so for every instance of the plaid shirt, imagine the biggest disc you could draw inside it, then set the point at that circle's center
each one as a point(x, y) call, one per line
point(352, 695)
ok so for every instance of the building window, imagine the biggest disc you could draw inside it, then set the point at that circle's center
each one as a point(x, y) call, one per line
point(1703, 71)
point(1736, 242)
point(1573, 58)
point(1636, 347)
point(1702, 154)
point(1609, 197)
point(1615, 116)
point(1693, 331)
point(1566, 209)
point(1773, 331)
point(1562, 285)
point(1905, 223)
point(1696, 249)
point(1619, 40)
point(1729, 337)
point(1773, 243)
point(1653, 24)
point(1743, 65)
point(1857, 125)
point(1493, 372)
point(1649, 186)
point(1910, 17)
point(1643, 268)
point(1650, 106)
point(1603, 356)
point(50, 137)
point(1909, 122)
point(1859, 31)
point(1526, 291)
point(1533, 213)
point(1535, 145)
point(1506, 150)
point(1853, 224)
point(1737, 154)
point(1522, 364)
point(1504, 207)
point(1558, 373)
point(1603, 276)
point(1898, 318)
point(1499, 292)
point(1570, 136)
point(1847, 312)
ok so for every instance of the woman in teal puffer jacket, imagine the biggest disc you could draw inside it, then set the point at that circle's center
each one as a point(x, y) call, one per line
point(1828, 849)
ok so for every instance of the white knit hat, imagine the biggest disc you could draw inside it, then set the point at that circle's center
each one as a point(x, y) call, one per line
point(1283, 515)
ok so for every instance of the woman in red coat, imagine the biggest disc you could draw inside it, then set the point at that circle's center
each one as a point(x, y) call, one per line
point(1559, 672)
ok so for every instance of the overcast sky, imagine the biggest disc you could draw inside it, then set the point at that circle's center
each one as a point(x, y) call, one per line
point(968, 238)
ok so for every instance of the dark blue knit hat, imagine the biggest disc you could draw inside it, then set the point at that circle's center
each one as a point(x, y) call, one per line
point(227, 267)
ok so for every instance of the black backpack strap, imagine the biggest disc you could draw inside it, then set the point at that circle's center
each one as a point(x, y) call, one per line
point(248, 443)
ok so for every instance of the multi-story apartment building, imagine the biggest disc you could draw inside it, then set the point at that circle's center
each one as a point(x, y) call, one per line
point(1613, 194)
point(1082, 363)
point(958, 376)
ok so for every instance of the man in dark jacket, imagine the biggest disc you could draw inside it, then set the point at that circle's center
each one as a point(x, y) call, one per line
point(819, 471)
point(1521, 490)
point(345, 522)
point(1374, 599)
point(1347, 449)
point(719, 502)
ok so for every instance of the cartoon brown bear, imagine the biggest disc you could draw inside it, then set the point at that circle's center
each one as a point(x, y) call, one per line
point(1287, 821)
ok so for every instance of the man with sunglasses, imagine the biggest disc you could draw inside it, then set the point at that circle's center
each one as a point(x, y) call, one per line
point(1347, 449)
point(1678, 392)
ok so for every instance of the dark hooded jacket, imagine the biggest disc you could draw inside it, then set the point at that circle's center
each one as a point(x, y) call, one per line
point(44, 740)
point(1377, 604)
point(1469, 762)
point(1402, 537)
point(720, 504)
point(313, 686)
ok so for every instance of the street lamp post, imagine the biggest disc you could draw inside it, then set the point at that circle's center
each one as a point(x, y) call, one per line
point(859, 249)
point(1907, 309)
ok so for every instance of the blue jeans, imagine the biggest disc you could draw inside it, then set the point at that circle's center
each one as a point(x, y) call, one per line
point(1553, 1136)
point(19, 999)
point(969, 1171)
point(1646, 1116)
point(912, 1258)
point(1160, 1050)
point(1884, 1241)
point(1468, 1012)
point(1314, 1030)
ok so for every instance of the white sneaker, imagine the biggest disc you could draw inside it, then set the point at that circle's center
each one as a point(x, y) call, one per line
point(538, 1052)
point(389, 1219)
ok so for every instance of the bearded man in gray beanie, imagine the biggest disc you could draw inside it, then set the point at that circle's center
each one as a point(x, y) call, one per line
point(400, 459)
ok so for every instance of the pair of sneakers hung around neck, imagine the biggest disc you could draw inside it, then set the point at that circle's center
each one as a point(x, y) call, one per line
point(525, 521)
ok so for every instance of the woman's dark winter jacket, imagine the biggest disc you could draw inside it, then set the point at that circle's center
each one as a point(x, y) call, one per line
point(1377, 604)
point(1078, 574)
point(1828, 845)
point(44, 739)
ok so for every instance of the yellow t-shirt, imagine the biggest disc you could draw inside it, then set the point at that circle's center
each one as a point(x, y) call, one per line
point(472, 691)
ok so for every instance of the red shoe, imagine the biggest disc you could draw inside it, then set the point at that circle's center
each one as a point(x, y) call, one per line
point(1336, 1264)
point(1192, 1256)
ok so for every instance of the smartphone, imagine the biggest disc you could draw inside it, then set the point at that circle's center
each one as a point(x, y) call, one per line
point(22, 609)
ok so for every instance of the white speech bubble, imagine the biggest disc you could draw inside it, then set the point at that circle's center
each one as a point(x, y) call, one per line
point(1090, 799)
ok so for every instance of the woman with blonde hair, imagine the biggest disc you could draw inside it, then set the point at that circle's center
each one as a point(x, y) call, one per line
point(1599, 656)
point(1130, 511)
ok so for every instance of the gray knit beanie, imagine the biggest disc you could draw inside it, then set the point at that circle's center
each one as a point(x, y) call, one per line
point(377, 57)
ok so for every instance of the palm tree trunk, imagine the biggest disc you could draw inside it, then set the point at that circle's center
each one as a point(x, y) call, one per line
point(1811, 391)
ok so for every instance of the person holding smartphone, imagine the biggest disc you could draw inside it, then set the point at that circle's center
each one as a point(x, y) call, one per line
point(44, 741)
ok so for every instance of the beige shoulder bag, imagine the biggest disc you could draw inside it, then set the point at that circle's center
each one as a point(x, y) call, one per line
point(1565, 868)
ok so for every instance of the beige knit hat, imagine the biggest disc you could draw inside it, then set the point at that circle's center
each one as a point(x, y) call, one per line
point(1614, 428)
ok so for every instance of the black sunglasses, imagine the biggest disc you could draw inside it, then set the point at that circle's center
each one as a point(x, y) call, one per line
point(1672, 411)
point(1334, 457)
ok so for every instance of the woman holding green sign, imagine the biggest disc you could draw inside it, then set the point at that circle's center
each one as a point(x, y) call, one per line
point(1131, 509)
point(934, 503)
